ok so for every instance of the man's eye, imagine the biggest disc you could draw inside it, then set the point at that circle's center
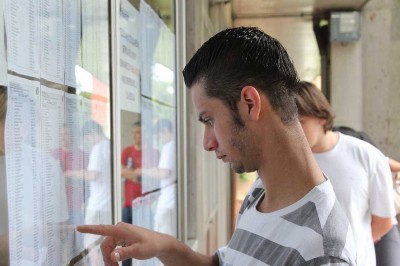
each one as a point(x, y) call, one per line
point(208, 121)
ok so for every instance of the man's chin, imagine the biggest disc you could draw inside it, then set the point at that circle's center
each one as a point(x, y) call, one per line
point(237, 169)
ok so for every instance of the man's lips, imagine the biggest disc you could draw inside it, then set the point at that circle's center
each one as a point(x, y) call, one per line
point(221, 156)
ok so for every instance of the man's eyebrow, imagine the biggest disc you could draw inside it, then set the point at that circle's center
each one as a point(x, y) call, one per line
point(201, 119)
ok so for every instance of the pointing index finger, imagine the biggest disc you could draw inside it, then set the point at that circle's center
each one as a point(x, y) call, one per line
point(102, 229)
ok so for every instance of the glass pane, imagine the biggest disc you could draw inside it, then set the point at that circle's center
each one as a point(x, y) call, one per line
point(55, 162)
point(148, 115)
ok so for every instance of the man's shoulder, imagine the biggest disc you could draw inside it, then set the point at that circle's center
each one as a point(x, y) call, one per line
point(254, 193)
point(361, 146)
point(103, 147)
point(314, 227)
point(128, 148)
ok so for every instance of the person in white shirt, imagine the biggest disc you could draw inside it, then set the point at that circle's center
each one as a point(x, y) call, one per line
point(166, 210)
point(360, 173)
point(387, 248)
point(98, 175)
point(165, 220)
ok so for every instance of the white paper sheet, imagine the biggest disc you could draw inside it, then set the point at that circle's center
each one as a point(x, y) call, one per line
point(157, 57)
point(163, 69)
point(149, 32)
point(36, 190)
point(23, 42)
point(52, 41)
point(72, 29)
point(24, 183)
point(55, 211)
point(95, 39)
point(73, 167)
point(129, 79)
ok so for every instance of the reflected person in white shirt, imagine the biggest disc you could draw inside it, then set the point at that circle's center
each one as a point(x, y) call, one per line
point(166, 213)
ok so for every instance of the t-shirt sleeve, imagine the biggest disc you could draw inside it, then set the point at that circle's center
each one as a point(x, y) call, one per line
point(382, 201)
point(95, 159)
point(167, 159)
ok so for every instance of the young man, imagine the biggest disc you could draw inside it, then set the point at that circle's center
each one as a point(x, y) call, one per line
point(359, 172)
point(387, 248)
point(242, 83)
point(131, 159)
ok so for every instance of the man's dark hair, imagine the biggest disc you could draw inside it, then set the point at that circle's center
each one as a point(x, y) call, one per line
point(164, 125)
point(137, 124)
point(237, 57)
point(312, 102)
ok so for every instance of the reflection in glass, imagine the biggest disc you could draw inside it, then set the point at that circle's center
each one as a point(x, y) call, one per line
point(53, 173)
point(128, 54)
point(97, 175)
point(154, 206)
point(37, 202)
point(165, 220)
point(157, 57)
point(131, 162)
point(70, 157)
point(4, 249)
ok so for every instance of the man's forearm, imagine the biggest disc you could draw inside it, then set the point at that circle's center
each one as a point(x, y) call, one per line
point(179, 254)
point(394, 165)
point(380, 226)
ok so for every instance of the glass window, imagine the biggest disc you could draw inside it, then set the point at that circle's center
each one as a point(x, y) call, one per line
point(147, 94)
point(55, 161)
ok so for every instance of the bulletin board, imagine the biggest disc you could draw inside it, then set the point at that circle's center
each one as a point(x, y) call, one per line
point(57, 130)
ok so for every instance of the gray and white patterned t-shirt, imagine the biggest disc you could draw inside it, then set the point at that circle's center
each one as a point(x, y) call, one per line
point(312, 231)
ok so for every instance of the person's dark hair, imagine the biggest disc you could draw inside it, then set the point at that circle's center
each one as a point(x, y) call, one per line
point(237, 57)
point(164, 124)
point(91, 126)
point(137, 124)
point(311, 102)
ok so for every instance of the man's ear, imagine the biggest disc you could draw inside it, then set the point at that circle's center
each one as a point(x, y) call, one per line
point(322, 121)
point(252, 101)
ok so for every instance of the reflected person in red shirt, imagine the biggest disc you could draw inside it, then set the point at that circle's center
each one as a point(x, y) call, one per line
point(131, 159)
point(71, 158)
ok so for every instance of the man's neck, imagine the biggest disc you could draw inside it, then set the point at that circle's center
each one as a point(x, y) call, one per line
point(289, 172)
point(326, 142)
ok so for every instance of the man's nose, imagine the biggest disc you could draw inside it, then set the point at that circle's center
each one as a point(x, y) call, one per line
point(209, 142)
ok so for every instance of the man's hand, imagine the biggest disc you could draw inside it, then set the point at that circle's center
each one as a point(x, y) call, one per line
point(123, 241)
